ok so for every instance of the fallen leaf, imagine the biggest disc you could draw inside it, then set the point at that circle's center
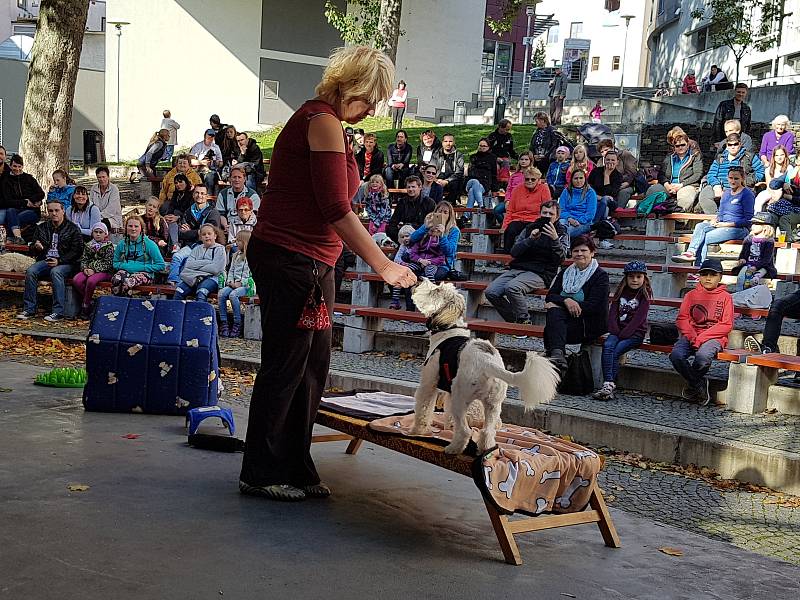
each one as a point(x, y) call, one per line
point(671, 551)
point(77, 487)
point(6, 390)
point(132, 436)
point(567, 438)
point(610, 498)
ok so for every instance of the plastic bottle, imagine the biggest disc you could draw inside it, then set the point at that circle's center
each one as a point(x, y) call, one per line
point(221, 280)
point(251, 286)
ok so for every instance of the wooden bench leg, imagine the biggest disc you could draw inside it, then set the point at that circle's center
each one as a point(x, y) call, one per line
point(504, 535)
point(330, 437)
point(354, 445)
point(606, 525)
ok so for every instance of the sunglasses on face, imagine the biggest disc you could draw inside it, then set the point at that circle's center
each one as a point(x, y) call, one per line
point(530, 179)
point(680, 145)
point(733, 144)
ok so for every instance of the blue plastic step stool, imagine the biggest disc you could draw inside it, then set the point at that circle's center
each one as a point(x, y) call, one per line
point(196, 415)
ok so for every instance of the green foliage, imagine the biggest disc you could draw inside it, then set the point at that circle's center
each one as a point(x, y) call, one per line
point(539, 55)
point(360, 27)
point(508, 15)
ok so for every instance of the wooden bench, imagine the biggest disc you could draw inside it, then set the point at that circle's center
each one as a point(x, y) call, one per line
point(356, 431)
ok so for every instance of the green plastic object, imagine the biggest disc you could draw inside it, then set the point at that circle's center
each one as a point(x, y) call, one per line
point(66, 377)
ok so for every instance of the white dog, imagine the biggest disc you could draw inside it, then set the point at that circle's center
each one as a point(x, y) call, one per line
point(469, 370)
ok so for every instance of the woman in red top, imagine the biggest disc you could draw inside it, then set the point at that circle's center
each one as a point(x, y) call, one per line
point(304, 216)
point(524, 205)
point(397, 103)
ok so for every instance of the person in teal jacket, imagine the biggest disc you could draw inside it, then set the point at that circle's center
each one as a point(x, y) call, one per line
point(137, 259)
point(580, 207)
point(448, 242)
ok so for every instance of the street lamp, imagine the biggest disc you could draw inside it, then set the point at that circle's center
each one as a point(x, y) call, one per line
point(118, 25)
point(624, 53)
point(530, 11)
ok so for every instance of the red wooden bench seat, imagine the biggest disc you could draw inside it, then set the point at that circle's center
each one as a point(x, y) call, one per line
point(775, 360)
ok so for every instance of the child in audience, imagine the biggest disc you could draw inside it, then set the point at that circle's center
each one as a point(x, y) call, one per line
point(517, 178)
point(557, 172)
point(62, 189)
point(155, 226)
point(580, 162)
point(757, 257)
point(704, 320)
point(579, 205)
point(627, 323)
point(136, 258)
point(377, 205)
point(201, 271)
point(597, 112)
point(235, 287)
point(97, 264)
point(244, 220)
point(404, 237)
point(427, 255)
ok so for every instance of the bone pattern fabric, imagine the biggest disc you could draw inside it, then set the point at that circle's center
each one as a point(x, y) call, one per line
point(529, 471)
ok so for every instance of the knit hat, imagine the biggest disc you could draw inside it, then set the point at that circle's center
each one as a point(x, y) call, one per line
point(101, 226)
point(244, 201)
point(564, 149)
point(405, 229)
point(635, 266)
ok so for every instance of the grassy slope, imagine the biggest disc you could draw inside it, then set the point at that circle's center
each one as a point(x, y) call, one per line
point(467, 136)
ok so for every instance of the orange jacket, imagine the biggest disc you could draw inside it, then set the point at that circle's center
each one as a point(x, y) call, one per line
point(524, 204)
point(706, 315)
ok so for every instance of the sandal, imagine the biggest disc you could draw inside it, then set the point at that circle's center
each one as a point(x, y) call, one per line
point(319, 490)
point(284, 493)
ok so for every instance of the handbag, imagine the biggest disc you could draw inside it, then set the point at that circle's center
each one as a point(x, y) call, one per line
point(664, 334)
point(577, 379)
point(315, 316)
point(455, 275)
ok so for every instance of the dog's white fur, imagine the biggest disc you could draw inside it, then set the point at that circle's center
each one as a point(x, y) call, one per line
point(12, 261)
point(481, 376)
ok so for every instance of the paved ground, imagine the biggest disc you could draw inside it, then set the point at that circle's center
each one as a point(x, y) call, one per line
point(161, 520)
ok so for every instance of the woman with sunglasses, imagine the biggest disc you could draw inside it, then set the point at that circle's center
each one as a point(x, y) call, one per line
point(430, 188)
point(682, 170)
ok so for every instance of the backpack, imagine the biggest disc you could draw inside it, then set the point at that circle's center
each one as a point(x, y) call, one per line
point(645, 207)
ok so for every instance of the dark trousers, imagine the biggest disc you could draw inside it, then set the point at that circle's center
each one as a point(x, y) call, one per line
point(346, 260)
point(294, 368)
point(561, 329)
point(556, 108)
point(397, 116)
point(788, 306)
point(695, 371)
point(510, 235)
point(452, 193)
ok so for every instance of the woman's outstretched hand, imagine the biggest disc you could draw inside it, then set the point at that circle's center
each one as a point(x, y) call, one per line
point(397, 275)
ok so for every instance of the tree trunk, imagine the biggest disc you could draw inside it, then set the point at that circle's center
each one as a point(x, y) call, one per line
point(47, 116)
point(388, 33)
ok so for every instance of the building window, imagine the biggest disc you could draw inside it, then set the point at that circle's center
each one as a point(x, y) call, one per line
point(615, 63)
point(23, 4)
point(761, 71)
point(552, 35)
point(700, 40)
point(595, 63)
point(793, 62)
point(575, 29)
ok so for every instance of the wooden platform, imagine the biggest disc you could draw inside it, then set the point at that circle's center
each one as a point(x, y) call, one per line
point(356, 432)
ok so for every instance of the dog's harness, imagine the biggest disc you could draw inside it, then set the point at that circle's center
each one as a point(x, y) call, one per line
point(449, 349)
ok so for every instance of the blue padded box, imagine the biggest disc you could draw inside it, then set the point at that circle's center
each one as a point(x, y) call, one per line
point(151, 356)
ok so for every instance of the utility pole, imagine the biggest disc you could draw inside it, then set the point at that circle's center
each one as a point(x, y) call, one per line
point(530, 11)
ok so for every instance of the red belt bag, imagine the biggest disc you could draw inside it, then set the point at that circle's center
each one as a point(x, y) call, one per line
point(315, 316)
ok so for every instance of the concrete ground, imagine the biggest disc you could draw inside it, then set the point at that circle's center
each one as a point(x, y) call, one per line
point(162, 520)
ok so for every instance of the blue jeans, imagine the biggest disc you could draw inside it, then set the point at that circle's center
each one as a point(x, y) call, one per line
point(500, 211)
point(694, 372)
point(13, 218)
point(599, 214)
point(475, 195)
point(176, 264)
point(613, 349)
point(224, 295)
point(201, 290)
point(705, 233)
point(58, 279)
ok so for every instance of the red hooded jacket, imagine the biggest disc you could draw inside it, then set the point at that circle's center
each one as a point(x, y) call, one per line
point(706, 315)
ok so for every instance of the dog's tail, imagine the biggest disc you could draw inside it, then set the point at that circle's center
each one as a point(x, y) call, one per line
point(537, 382)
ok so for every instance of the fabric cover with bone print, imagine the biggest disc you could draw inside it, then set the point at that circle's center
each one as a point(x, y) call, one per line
point(529, 471)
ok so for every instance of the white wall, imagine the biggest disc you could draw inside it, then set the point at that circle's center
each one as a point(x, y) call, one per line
point(439, 57)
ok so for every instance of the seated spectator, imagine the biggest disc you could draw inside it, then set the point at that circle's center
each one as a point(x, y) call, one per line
point(377, 205)
point(681, 172)
point(577, 303)
point(787, 207)
point(209, 157)
point(580, 160)
point(579, 205)
point(57, 247)
point(557, 172)
point(450, 169)
point(236, 284)
point(244, 219)
point(627, 165)
point(715, 80)
point(172, 210)
point(156, 149)
point(501, 144)
point(82, 212)
point(433, 248)
point(229, 148)
point(776, 170)
point(779, 137)
point(136, 258)
point(398, 157)
point(202, 268)
point(757, 258)
point(199, 213)
point(62, 189)
point(228, 197)
point(183, 166)
point(606, 180)
point(3, 165)
point(481, 178)
point(627, 323)
point(20, 199)
point(731, 223)
point(734, 126)
point(544, 142)
point(404, 238)
point(784, 307)
point(734, 108)
point(524, 161)
point(538, 252)
point(251, 159)
point(97, 265)
point(524, 205)
point(155, 226)
point(717, 179)
point(428, 145)
point(105, 196)
point(704, 320)
point(430, 188)
point(689, 83)
point(369, 158)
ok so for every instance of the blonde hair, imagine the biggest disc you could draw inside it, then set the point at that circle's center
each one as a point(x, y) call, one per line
point(766, 230)
point(533, 172)
point(134, 217)
point(584, 164)
point(157, 202)
point(376, 177)
point(357, 72)
point(781, 119)
point(528, 154)
point(242, 239)
point(675, 134)
point(451, 214)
